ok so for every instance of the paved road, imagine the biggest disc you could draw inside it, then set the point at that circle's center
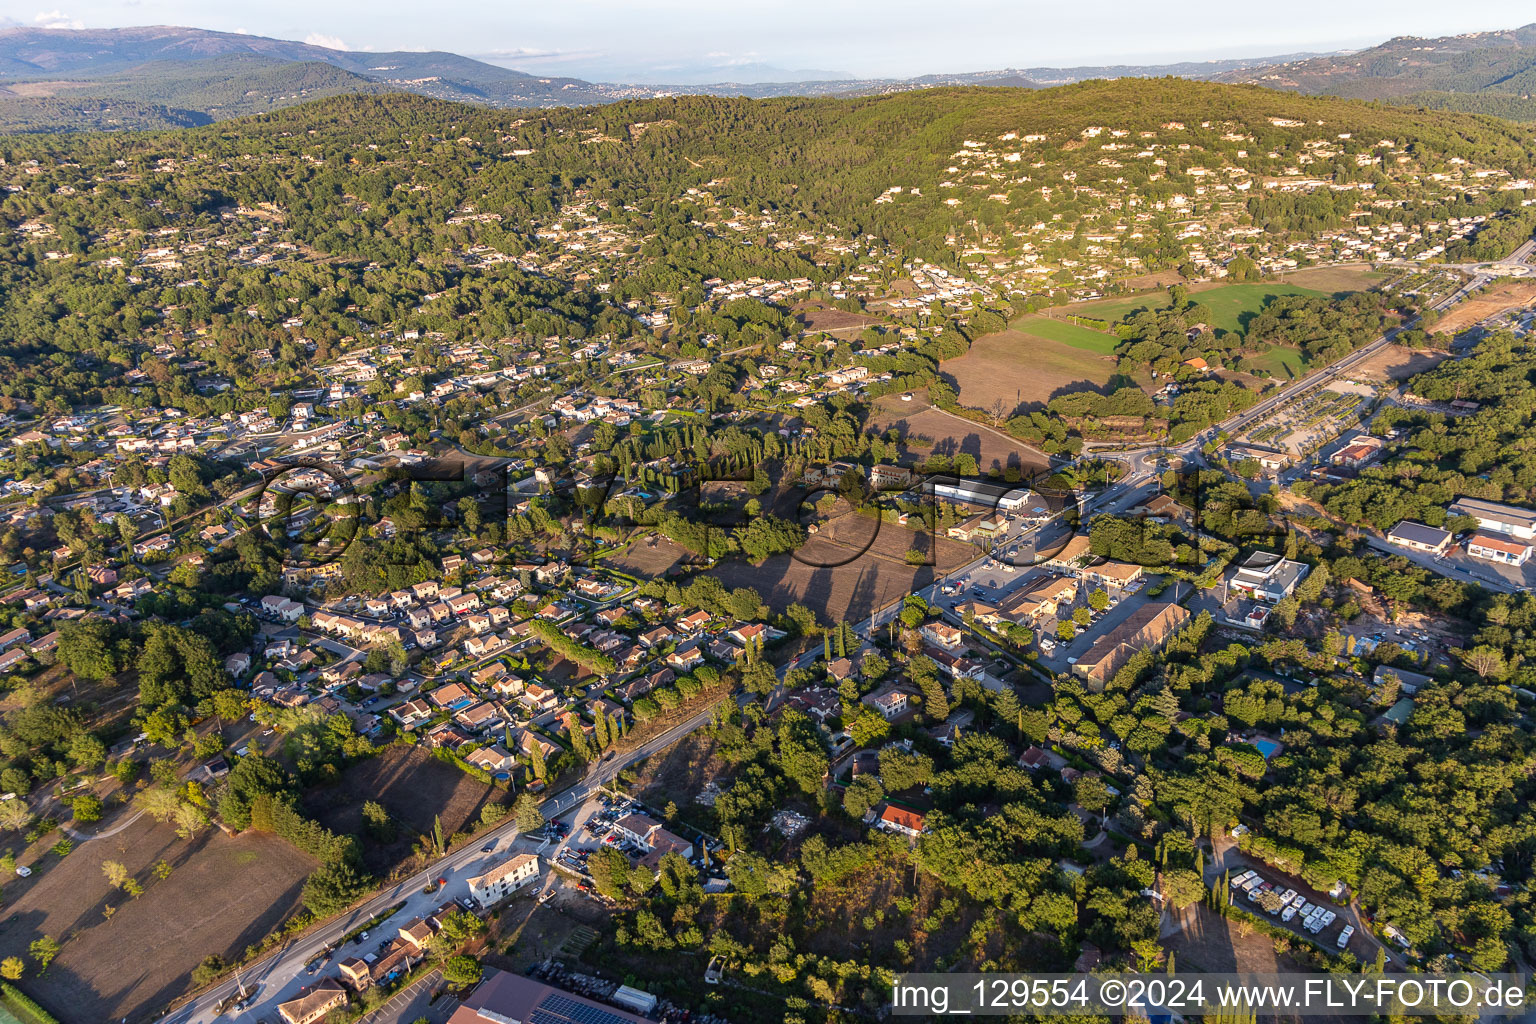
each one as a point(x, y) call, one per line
point(281, 975)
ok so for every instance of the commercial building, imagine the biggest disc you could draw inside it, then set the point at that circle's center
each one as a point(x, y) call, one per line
point(1147, 627)
point(1519, 523)
point(1003, 497)
point(506, 998)
point(1491, 547)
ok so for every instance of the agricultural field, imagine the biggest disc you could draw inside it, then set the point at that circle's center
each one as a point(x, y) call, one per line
point(847, 570)
point(223, 895)
point(414, 788)
point(929, 431)
point(650, 557)
point(1023, 370)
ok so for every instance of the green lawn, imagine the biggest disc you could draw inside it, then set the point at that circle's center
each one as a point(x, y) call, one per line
point(1068, 334)
point(1284, 363)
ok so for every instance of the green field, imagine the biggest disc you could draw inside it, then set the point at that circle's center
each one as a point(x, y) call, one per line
point(1283, 363)
point(1113, 309)
point(1228, 303)
point(1068, 334)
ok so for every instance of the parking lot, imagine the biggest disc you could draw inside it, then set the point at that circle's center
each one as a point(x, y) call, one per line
point(595, 828)
point(1247, 879)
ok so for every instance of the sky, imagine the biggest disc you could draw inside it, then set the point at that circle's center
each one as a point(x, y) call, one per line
point(685, 41)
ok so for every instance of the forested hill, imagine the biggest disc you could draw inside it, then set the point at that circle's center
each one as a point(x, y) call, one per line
point(1480, 72)
point(388, 203)
point(173, 95)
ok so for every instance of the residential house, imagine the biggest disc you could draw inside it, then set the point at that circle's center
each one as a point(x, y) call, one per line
point(480, 717)
point(693, 622)
point(411, 713)
point(942, 634)
point(749, 634)
point(656, 637)
point(313, 1004)
point(494, 758)
point(686, 657)
point(453, 696)
point(507, 686)
point(538, 698)
point(890, 703)
point(900, 820)
point(1418, 537)
point(464, 603)
point(504, 879)
point(1267, 576)
point(527, 739)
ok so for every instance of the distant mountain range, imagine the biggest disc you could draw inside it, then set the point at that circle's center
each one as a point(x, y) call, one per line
point(1480, 72)
point(167, 76)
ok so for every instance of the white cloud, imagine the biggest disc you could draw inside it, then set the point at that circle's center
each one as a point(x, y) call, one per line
point(329, 42)
point(56, 19)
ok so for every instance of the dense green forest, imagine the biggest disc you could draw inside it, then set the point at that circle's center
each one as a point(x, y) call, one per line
point(365, 190)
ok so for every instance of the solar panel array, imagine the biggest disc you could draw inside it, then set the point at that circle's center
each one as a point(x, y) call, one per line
point(559, 1009)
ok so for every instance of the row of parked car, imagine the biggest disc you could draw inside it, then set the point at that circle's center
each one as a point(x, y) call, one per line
point(1288, 905)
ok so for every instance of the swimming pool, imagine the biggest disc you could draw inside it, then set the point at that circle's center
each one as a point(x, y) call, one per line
point(1269, 748)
